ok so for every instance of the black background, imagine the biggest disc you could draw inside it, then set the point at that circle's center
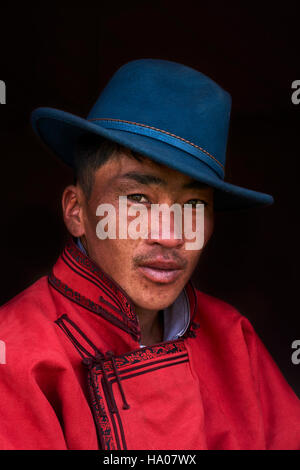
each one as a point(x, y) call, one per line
point(59, 56)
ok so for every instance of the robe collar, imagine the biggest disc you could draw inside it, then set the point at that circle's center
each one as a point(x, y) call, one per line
point(79, 279)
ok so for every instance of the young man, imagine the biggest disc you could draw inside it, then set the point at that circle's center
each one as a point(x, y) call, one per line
point(116, 349)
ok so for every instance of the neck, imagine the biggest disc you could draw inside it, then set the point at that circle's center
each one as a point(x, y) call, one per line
point(151, 325)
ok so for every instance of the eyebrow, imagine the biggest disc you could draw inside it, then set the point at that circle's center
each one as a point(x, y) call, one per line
point(195, 185)
point(147, 179)
point(144, 178)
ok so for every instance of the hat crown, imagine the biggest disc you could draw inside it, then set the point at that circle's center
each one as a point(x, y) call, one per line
point(165, 111)
point(172, 98)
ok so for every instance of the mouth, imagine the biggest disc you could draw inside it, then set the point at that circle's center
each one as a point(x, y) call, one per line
point(161, 272)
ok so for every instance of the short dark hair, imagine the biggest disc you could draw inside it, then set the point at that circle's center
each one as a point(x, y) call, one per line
point(91, 152)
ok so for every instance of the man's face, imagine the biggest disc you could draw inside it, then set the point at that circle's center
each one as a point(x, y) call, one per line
point(152, 271)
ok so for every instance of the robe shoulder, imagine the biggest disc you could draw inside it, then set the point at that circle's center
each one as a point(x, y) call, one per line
point(222, 323)
point(27, 323)
point(33, 302)
point(214, 309)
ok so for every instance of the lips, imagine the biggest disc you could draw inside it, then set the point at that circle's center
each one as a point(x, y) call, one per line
point(161, 271)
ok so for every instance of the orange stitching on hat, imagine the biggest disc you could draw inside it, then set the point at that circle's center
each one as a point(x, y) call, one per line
point(160, 130)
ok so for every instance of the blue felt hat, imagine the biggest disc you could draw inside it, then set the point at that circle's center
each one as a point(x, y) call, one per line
point(166, 111)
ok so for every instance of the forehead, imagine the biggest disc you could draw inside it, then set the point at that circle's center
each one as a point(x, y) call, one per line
point(124, 169)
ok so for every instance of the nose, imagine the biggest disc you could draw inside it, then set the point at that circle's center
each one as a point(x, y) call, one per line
point(166, 231)
point(166, 242)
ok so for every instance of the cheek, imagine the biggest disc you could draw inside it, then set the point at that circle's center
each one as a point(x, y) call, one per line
point(201, 230)
point(116, 253)
point(112, 254)
point(208, 227)
point(193, 255)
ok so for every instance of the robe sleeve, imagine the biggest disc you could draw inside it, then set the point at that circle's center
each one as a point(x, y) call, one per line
point(280, 406)
point(30, 378)
point(28, 420)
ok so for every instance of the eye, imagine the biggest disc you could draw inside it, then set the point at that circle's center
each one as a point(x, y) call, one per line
point(137, 198)
point(197, 201)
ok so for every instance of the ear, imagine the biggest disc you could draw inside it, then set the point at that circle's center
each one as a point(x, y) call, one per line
point(72, 205)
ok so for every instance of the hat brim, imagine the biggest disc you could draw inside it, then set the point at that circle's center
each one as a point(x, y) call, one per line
point(60, 131)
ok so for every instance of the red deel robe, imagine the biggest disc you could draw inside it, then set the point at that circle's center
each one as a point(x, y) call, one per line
point(76, 378)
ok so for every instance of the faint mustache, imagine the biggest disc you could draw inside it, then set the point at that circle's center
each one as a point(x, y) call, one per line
point(168, 258)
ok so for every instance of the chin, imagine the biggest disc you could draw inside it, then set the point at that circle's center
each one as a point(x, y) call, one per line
point(156, 303)
point(150, 295)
